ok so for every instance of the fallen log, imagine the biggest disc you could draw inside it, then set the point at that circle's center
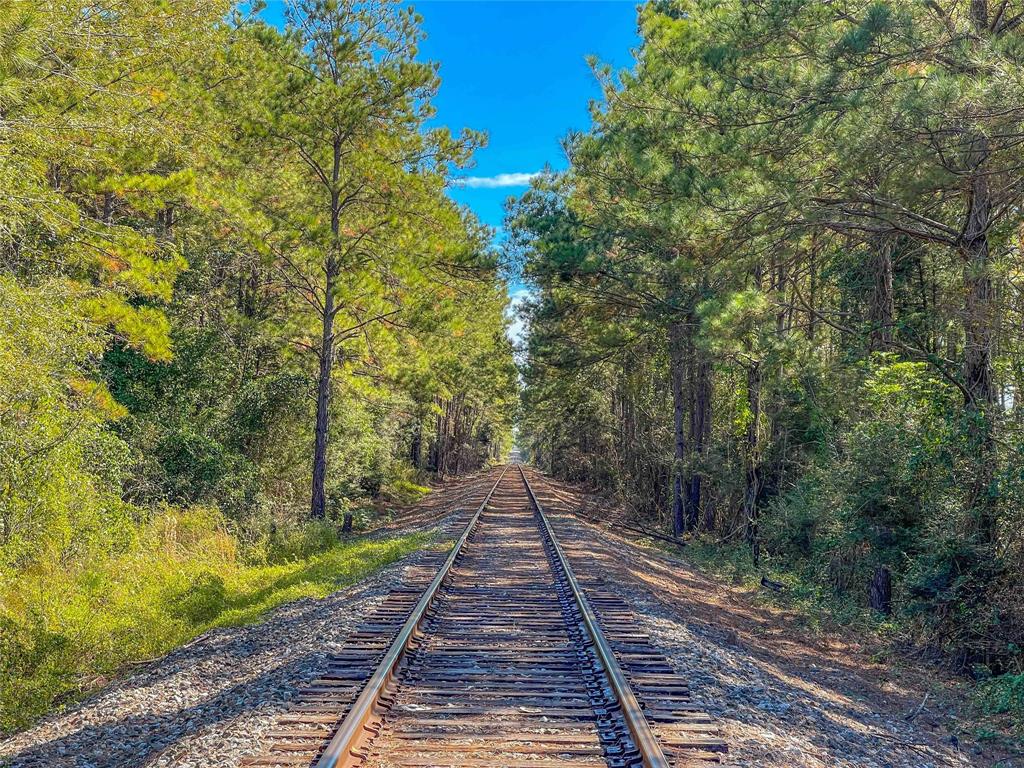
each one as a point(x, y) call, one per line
point(774, 586)
point(634, 529)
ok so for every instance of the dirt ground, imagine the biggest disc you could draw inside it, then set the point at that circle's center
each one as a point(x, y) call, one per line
point(783, 696)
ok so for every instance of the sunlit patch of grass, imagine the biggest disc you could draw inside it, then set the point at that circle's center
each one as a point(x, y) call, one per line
point(67, 631)
point(251, 592)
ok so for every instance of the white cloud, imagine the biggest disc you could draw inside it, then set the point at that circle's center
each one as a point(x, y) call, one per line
point(520, 295)
point(497, 182)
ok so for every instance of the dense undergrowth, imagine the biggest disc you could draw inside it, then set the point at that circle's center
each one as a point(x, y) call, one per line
point(814, 606)
point(996, 707)
point(68, 628)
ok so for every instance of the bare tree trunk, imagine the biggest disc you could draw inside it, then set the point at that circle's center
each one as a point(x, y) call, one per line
point(979, 14)
point(753, 461)
point(880, 591)
point(977, 327)
point(416, 442)
point(318, 500)
point(778, 272)
point(448, 437)
point(457, 430)
point(812, 291)
point(435, 446)
point(979, 322)
point(677, 370)
point(700, 429)
point(318, 503)
point(881, 307)
point(442, 439)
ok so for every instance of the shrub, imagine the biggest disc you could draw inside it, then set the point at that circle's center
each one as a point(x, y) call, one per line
point(1003, 695)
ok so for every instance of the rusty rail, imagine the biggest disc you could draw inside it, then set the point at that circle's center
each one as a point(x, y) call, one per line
point(647, 743)
point(493, 654)
point(353, 731)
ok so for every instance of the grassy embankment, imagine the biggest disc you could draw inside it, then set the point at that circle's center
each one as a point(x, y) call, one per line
point(67, 628)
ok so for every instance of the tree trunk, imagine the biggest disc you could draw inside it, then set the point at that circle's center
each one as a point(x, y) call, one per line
point(779, 272)
point(440, 438)
point(416, 443)
point(753, 461)
point(812, 290)
point(435, 447)
point(677, 369)
point(978, 315)
point(880, 592)
point(978, 327)
point(979, 322)
point(318, 503)
point(318, 500)
point(979, 15)
point(456, 453)
point(700, 429)
point(881, 308)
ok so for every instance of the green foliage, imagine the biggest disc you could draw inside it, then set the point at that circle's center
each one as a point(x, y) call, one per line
point(887, 453)
point(65, 631)
point(169, 220)
point(773, 303)
point(1003, 695)
point(57, 459)
point(813, 604)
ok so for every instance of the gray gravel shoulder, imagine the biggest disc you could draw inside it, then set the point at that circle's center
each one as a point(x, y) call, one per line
point(776, 707)
point(779, 703)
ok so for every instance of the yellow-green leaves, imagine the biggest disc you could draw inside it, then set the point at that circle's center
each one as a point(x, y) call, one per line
point(145, 328)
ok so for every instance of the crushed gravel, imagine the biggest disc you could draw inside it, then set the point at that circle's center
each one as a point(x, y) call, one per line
point(780, 702)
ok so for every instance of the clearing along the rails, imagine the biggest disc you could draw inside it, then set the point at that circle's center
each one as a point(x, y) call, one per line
point(501, 657)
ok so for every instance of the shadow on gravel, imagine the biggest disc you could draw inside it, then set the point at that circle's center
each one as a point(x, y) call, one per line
point(216, 646)
point(781, 699)
point(139, 740)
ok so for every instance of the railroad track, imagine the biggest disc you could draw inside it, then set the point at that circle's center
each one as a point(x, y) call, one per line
point(498, 656)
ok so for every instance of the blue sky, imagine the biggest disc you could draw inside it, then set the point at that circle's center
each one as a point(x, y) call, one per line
point(517, 70)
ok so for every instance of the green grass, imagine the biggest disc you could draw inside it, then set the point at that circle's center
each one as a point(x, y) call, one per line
point(250, 592)
point(66, 630)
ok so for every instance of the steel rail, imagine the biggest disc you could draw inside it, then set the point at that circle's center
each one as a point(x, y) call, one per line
point(647, 743)
point(339, 752)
